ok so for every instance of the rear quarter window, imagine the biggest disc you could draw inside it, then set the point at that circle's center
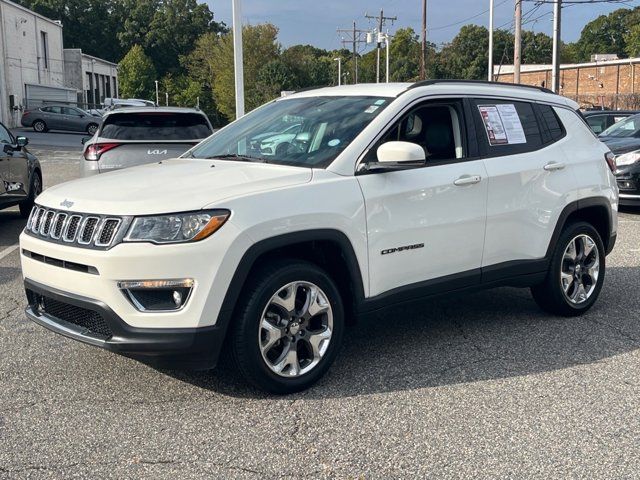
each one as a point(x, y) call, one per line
point(155, 126)
point(552, 127)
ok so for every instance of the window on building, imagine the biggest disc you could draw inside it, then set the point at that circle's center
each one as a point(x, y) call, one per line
point(45, 49)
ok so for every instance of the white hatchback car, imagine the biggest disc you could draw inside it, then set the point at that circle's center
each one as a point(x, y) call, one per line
point(388, 193)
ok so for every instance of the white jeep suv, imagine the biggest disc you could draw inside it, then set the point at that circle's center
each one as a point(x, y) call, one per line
point(387, 193)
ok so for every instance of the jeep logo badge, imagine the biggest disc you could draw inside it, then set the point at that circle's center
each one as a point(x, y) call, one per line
point(67, 203)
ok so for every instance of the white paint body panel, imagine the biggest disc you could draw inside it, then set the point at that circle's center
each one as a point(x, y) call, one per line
point(424, 206)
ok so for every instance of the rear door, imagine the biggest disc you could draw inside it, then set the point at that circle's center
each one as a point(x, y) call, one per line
point(74, 119)
point(530, 179)
point(137, 138)
point(54, 118)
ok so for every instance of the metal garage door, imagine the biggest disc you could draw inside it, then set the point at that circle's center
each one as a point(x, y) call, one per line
point(41, 94)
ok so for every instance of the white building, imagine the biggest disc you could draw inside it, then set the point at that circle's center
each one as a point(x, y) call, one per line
point(36, 69)
point(95, 78)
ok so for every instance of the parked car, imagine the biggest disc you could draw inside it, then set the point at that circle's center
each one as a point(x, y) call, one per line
point(127, 102)
point(20, 173)
point(390, 193)
point(623, 139)
point(600, 120)
point(135, 136)
point(60, 117)
point(278, 143)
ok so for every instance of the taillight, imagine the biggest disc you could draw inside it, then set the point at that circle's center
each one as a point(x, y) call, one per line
point(95, 150)
point(611, 161)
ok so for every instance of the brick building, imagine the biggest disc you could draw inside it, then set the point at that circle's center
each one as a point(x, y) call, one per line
point(612, 84)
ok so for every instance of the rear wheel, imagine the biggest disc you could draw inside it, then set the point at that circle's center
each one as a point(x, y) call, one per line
point(289, 327)
point(576, 274)
point(35, 189)
point(39, 126)
point(92, 129)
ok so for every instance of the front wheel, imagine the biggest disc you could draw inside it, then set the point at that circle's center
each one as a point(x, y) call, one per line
point(576, 274)
point(92, 129)
point(289, 327)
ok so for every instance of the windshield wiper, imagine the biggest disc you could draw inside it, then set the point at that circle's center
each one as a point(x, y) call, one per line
point(239, 158)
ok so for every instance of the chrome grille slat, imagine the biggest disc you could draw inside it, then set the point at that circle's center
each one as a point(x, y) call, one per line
point(79, 229)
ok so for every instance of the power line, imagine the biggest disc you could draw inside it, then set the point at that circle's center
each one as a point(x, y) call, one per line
point(382, 21)
point(354, 40)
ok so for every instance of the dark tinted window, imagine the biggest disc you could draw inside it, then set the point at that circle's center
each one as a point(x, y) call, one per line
point(598, 123)
point(155, 126)
point(527, 120)
point(552, 122)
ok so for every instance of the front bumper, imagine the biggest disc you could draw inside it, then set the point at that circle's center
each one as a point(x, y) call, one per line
point(93, 322)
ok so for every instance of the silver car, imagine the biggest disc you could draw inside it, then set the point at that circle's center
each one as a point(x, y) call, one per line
point(60, 117)
point(135, 136)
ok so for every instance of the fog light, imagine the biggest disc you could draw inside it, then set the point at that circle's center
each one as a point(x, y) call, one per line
point(157, 295)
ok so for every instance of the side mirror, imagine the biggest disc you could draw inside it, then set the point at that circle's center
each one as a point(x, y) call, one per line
point(84, 140)
point(22, 142)
point(398, 156)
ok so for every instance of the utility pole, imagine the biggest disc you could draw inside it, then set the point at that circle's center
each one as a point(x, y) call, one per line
point(557, 36)
point(423, 49)
point(517, 49)
point(353, 40)
point(491, 3)
point(382, 20)
point(339, 60)
point(237, 58)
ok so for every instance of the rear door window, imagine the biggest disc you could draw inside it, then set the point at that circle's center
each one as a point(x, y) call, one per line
point(598, 123)
point(155, 126)
point(506, 127)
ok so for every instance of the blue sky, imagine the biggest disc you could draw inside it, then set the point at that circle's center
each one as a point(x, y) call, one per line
point(315, 22)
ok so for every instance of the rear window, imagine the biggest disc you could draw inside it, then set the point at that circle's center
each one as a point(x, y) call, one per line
point(155, 126)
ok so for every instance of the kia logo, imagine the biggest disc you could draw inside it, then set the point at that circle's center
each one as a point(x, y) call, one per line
point(156, 152)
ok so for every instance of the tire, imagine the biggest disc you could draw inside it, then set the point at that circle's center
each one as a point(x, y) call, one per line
point(560, 293)
point(273, 348)
point(35, 189)
point(39, 126)
point(92, 128)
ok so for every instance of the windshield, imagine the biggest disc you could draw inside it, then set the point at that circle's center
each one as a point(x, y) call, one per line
point(626, 128)
point(305, 132)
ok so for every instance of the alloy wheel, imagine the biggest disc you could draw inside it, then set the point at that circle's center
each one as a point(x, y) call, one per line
point(580, 269)
point(295, 329)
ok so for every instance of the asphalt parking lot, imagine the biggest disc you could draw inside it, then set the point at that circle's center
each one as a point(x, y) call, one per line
point(479, 386)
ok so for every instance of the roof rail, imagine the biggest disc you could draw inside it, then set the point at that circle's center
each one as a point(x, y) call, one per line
point(426, 83)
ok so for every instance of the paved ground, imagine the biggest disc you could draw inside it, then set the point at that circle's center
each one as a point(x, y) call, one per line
point(483, 386)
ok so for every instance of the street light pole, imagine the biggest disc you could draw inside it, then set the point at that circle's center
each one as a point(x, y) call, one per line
point(491, 2)
point(237, 58)
point(157, 95)
point(387, 41)
point(555, 73)
point(339, 60)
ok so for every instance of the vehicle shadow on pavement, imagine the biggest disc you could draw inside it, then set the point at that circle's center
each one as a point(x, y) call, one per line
point(466, 338)
point(11, 225)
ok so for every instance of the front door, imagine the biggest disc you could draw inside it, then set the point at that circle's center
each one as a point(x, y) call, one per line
point(16, 177)
point(427, 223)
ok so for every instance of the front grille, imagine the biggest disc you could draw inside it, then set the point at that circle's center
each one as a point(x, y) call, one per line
point(81, 317)
point(82, 230)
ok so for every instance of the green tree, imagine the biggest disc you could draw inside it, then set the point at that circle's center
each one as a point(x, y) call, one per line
point(608, 34)
point(260, 47)
point(632, 41)
point(174, 29)
point(91, 25)
point(466, 56)
point(137, 74)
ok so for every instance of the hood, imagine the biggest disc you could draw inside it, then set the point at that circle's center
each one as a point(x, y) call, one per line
point(621, 145)
point(177, 185)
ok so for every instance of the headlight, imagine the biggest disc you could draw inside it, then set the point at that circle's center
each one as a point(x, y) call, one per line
point(628, 158)
point(176, 227)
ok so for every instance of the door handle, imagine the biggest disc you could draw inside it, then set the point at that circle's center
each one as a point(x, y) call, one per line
point(552, 166)
point(467, 180)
